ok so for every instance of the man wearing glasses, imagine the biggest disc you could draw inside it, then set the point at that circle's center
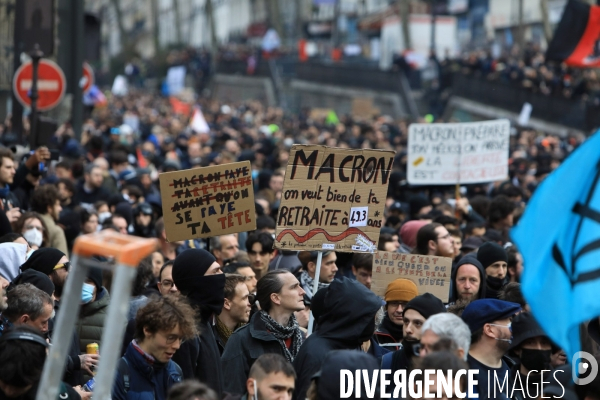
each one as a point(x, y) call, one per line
point(147, 370)
point(491, 336)
point(165, 280)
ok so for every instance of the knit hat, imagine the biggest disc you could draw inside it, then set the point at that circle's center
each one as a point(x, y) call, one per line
point(401, 290)
point(408, 232)
point(43, 260)
point(485, 311)
point(426, 305)
point(37, 279)
point(124, 210)
point(95, 275)
point(490, 253)
point(188, 274)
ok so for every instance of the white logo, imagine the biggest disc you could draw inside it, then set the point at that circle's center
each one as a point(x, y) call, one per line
point(582, 363)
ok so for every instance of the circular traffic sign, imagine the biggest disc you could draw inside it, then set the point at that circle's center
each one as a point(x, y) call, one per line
point(87, 78)
point(51, 84)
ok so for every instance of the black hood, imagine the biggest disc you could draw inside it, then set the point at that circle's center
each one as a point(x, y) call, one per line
point(349, 308)
point(328, 386)
point(468, 259)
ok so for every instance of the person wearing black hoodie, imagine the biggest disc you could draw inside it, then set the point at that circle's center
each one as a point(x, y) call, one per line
point(416, 312)
point(198, 277)
point(495, 261)
point(327, 381)
point(468, 277)
point(346, 322)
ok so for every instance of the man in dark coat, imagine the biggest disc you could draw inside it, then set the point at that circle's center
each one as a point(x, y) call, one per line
point(495, 261)
point(198, 277)
point(274, 329)
point(346, 322)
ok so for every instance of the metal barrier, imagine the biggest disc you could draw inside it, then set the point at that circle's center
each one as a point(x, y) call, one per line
point(573, 113)
point(127, 252)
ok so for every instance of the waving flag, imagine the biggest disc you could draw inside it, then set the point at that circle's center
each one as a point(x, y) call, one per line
point(559, 237)
point(577, 38)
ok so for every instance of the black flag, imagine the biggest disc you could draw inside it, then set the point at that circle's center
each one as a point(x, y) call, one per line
point(576, 41)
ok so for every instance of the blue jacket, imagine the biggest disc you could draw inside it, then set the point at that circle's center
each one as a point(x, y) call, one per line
point(146, 381)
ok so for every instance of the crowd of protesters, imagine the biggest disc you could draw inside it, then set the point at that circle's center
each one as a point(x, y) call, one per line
point(227, 318)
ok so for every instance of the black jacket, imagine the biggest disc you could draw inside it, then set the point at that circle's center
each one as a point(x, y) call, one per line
point(347, 322)
point(243, 348)
point(199, 358)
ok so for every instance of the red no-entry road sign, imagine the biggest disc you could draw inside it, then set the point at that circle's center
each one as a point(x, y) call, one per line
point(51, 84)
point(87, 78)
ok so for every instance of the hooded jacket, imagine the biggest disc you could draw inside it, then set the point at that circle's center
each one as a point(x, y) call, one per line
point(348, 320)
point(468, 259)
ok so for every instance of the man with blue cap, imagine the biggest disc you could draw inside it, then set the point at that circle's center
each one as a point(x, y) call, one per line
point(491, 335)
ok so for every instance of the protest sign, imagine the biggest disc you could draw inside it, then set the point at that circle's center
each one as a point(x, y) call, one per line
point(333, 199)
point(210, 201)
point(431, 274)
point(446, 154)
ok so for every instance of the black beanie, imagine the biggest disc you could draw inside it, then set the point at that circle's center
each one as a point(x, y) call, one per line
point(95, 275)
point(190, 264)
point(37, 279)
point(490, 253)
point(43, 260)
point(426, 305)
point(204, 291)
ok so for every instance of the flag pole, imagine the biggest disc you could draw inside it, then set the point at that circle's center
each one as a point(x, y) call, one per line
point(315, 287)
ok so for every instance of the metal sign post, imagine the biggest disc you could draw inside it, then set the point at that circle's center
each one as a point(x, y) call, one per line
point(315, 287)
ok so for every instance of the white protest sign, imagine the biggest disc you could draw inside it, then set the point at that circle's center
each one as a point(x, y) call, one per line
point(446, 154)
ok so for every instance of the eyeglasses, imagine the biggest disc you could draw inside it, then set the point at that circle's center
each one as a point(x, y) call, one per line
point(39, 228)
point(65, 265)
point(396, 304)
point(255, 253)
point(167, 284)
point(172, 338)
point(447, 236)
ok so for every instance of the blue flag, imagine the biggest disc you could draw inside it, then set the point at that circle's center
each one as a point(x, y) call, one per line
point(559, 238)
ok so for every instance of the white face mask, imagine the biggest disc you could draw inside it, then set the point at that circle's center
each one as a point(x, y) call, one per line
point(34, 237)
point(104, 216)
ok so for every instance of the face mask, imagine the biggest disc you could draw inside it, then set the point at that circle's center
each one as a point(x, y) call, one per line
point(34, 237)
point(87, 293)
point(495, 283)
point(103, 217)
point(29, 254)
point(534, 359)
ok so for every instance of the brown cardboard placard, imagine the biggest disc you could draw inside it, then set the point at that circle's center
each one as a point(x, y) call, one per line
point(431, 274)
point(363, 108)
point(209, 201)
point(333, 199)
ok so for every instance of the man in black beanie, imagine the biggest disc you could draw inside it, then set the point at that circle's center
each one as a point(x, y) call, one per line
point(495, 261)
point(51, 262)
point(415, 314)
point(468, 280)
point(198, 277)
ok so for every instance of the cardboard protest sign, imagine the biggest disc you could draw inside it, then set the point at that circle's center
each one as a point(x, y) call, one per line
point(430, 274)
point(210, 201)
point(446, 154)
point(333, 199)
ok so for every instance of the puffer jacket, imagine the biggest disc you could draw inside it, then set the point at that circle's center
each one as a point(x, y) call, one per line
point(91, 320)
point(147, 381)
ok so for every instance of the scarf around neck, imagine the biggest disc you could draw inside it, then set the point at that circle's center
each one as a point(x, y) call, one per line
point(223, 331)
point(282, 333)
point(307, 283)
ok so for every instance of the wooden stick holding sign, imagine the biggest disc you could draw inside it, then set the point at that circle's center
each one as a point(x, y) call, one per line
point(315, 288)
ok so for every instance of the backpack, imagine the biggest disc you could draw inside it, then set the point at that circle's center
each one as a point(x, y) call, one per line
point(123, 369)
